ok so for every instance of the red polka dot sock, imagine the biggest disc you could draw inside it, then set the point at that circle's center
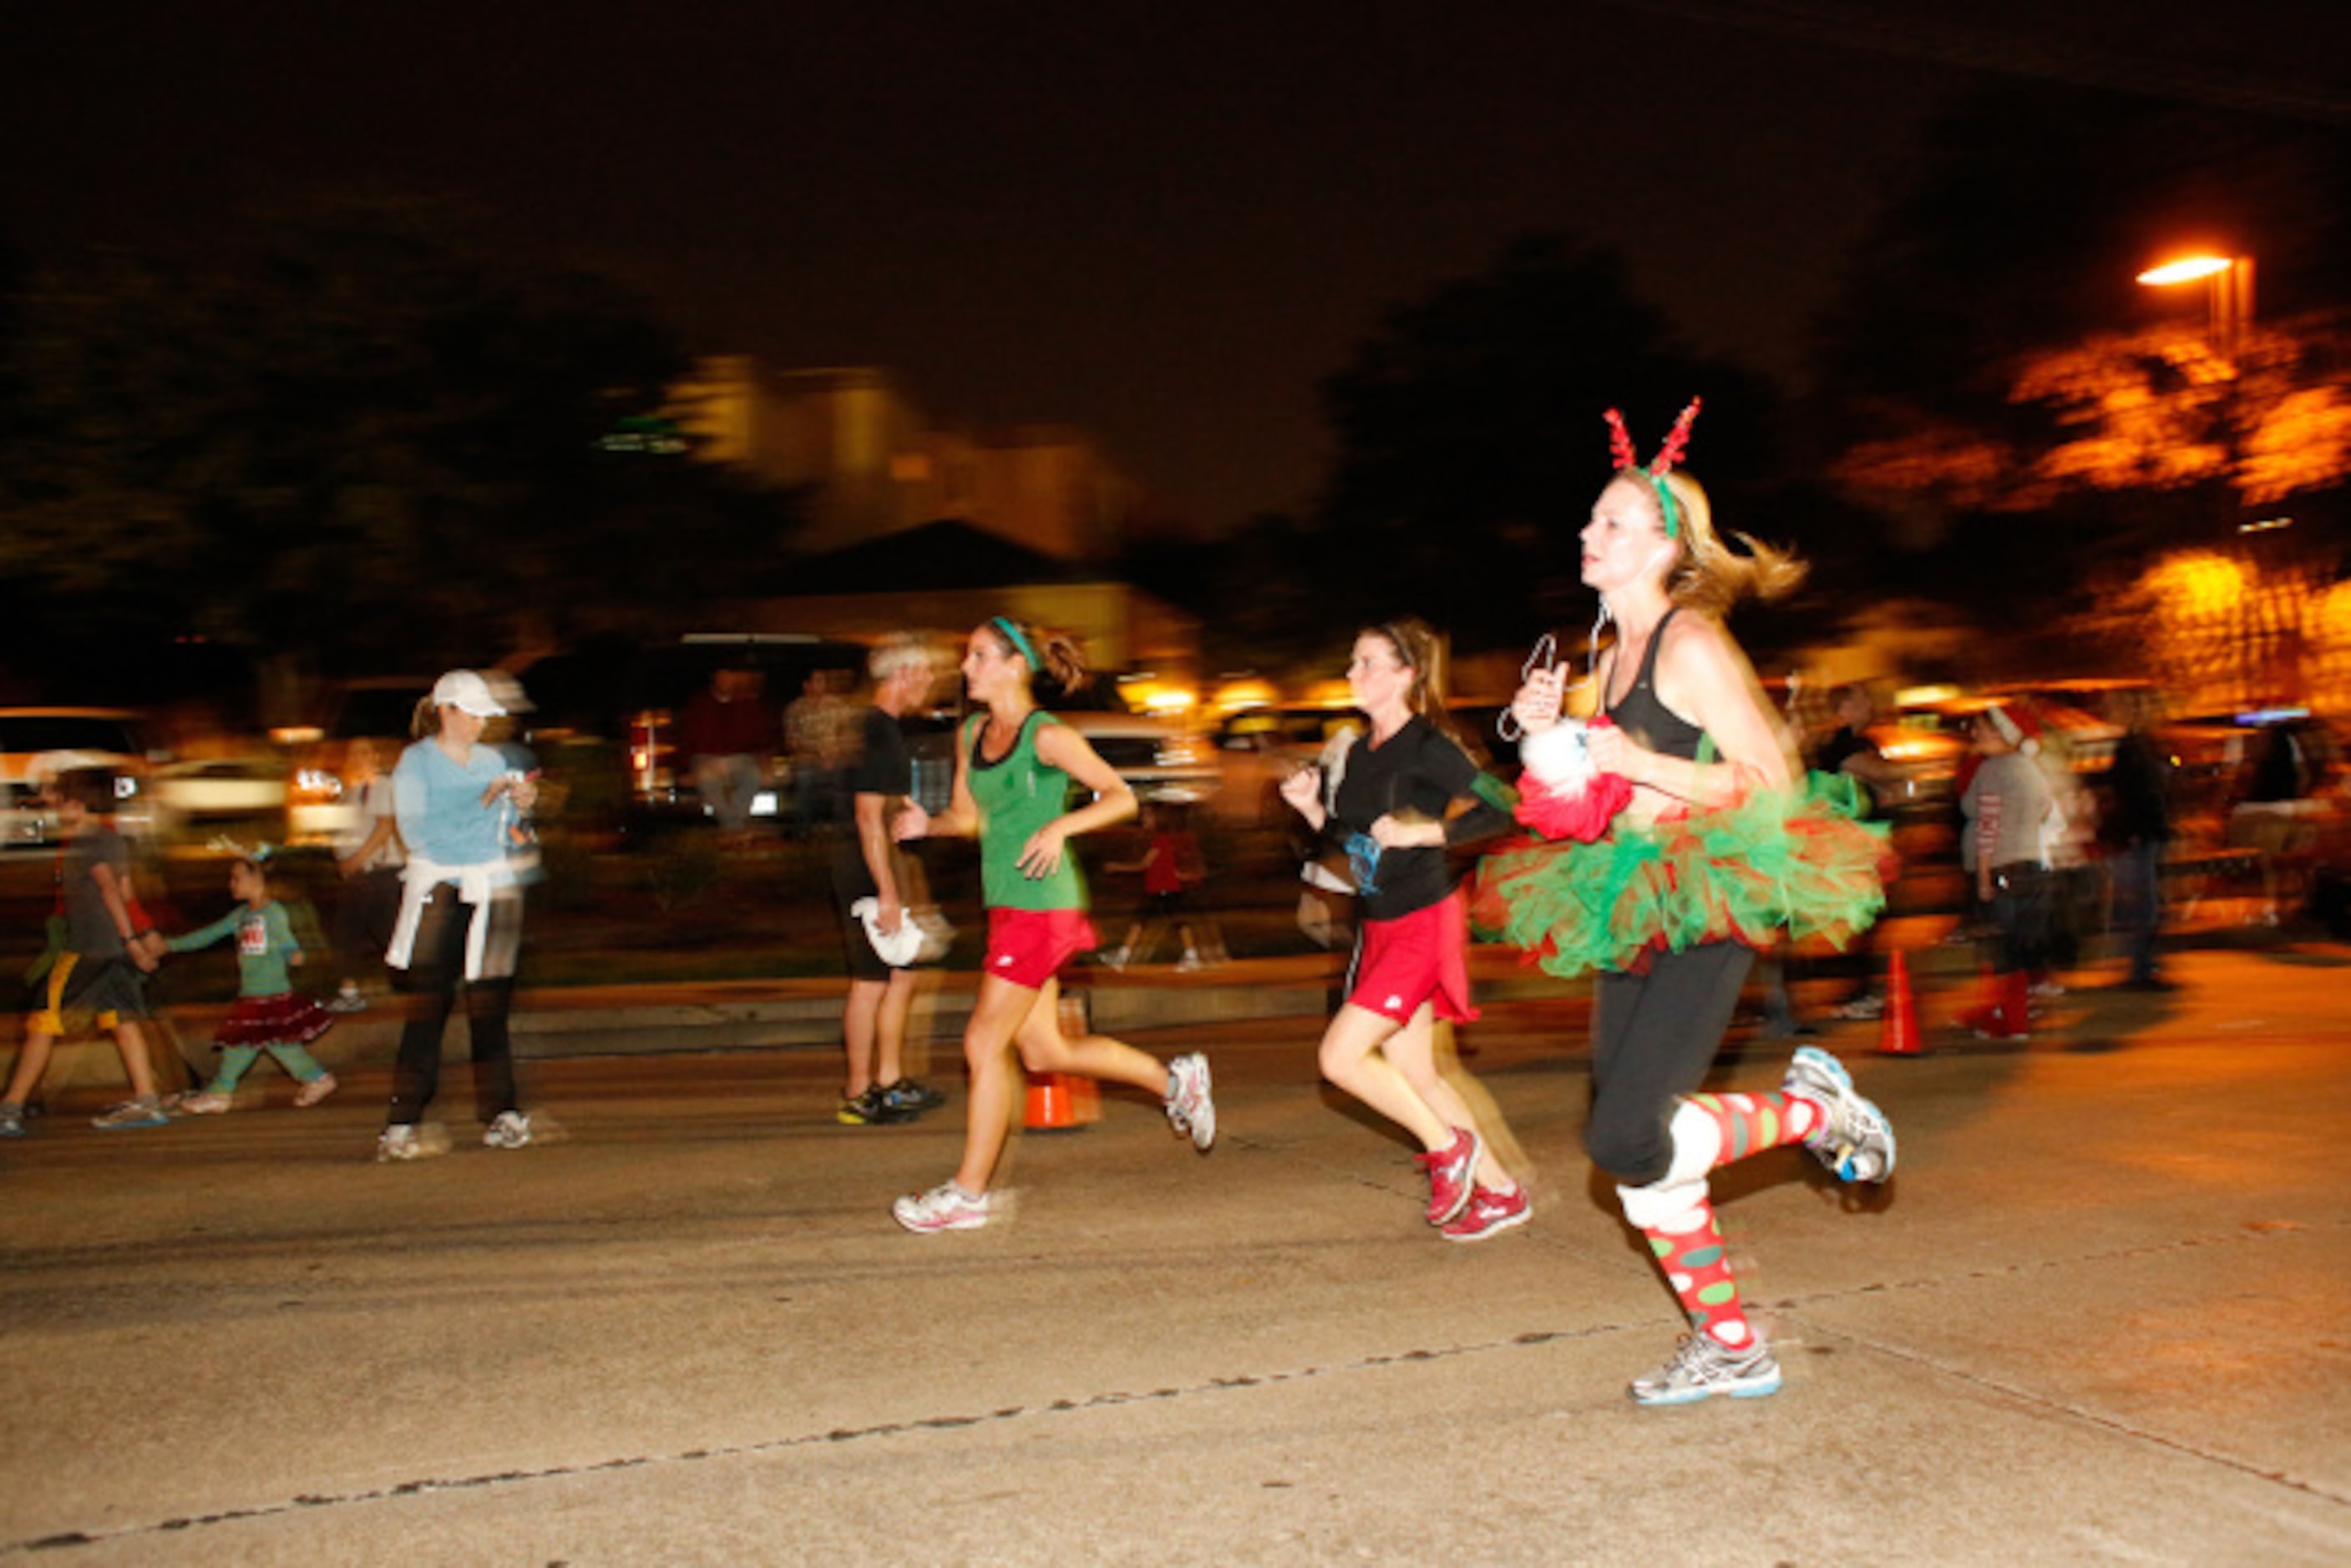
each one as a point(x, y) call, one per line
point(1690, 1248)
point(1749, 1124)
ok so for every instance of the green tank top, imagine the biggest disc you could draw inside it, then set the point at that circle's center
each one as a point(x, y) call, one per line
point(1017, 794)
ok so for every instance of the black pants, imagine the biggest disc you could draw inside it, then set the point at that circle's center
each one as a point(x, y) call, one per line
point(1653, 1036)
point(437, 969)
point(363, 922)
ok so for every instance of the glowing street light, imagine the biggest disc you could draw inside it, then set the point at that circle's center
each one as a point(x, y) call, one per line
point(2231, 294)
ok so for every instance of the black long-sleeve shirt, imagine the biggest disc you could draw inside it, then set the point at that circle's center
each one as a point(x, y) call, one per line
point(1417, 772)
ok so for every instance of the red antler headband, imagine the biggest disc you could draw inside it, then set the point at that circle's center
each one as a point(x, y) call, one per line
point(1620, 446)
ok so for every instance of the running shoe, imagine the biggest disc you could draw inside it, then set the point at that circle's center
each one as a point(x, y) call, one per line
point(913, 1096)
point(145, 1111)
point(1190, 1106)
point(402, 1141)
point(206, 1103)
point(945, 1207)
point(1490, 1213)
point(1452, 1174)
point(1853, 1139)
point(1703, 1366)
point(871, 1109)
point(348, 999)
point(12, 1121)
point(511, 1129)
point(1862, 1008)
point(317, 1089)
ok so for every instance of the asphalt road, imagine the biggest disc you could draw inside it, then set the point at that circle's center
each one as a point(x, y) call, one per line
point(2095, 1318)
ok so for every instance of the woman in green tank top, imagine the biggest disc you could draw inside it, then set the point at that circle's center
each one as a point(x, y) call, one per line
point(1014, 773)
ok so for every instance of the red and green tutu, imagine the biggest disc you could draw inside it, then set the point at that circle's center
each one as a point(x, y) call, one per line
point(1796, 864)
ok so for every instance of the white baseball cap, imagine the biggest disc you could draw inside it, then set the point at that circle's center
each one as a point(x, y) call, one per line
point(468, 694)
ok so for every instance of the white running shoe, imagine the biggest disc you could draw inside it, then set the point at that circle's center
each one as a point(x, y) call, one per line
point(945, 1207)
point(1703, 1366)
point(1190, 1105)
point(1853, 1139)
point(510, 1130)
point(140, 1111)
point(398, 1141)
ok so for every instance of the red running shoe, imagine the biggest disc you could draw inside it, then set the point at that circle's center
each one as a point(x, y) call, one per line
point(1490, 1213)
point(1451, 1173)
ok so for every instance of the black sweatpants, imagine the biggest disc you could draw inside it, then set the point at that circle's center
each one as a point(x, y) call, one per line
point(1653, 1036)
point(437, 969)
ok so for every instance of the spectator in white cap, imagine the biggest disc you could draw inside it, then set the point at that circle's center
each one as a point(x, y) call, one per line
point(457, 802)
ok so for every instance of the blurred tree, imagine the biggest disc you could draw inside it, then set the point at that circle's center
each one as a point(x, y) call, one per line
point(1471, 445)
point(2027, 216)
point(2124, 416)
point(362, 444)
point(1979, 377)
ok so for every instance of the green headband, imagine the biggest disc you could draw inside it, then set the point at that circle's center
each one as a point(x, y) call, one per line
point(1665, 501)
point(1019, 643)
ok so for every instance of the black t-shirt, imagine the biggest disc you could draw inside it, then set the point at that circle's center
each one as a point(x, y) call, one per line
point(1846, 742)
point(884, 767)
point(1418, 771)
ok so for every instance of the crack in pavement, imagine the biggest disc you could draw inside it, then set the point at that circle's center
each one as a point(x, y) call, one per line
point(1792, 1305)
point(2083, 1414)
point(67, 1540)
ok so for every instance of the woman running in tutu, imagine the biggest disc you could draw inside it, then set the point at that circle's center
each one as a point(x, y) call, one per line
point(270, 1014)
point(1681, 838)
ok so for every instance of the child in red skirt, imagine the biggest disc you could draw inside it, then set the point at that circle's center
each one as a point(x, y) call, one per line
point(269, 1014)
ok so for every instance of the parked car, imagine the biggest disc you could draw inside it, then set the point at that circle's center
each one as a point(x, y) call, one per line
point(35, 740)
point(1160, 758)
point(1262, 746)
point(244, 797)
point(321, 792)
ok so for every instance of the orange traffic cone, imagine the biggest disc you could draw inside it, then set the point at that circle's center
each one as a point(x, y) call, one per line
point(1899, 1035)
point(1061, 1102)
point(1064, 1102)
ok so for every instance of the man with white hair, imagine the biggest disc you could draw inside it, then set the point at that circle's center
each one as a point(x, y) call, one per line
point(869, 877)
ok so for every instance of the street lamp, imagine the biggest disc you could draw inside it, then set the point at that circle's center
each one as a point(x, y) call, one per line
point(2232, 292)
point(2232, 299)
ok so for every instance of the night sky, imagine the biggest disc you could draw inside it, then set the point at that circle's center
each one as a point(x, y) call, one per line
point(1163, 221)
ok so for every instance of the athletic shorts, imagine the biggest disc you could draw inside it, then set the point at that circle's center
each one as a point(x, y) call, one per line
point(1417, 958)
point(1028, 947)
point(79, 992)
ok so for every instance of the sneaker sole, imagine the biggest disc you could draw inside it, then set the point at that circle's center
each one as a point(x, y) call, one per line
point(1508, 1222)
point(1749, 1390)
point(934, 1228)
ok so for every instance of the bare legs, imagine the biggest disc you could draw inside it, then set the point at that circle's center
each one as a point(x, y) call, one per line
point(1008, 1019)
point(873, 1029)
point(32, 1061)
point(1392, 1069)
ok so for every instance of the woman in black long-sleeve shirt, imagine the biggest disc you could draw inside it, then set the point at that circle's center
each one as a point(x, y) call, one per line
point(1405, 795)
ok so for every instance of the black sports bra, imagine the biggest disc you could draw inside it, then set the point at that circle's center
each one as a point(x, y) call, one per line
point(1649, 721)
